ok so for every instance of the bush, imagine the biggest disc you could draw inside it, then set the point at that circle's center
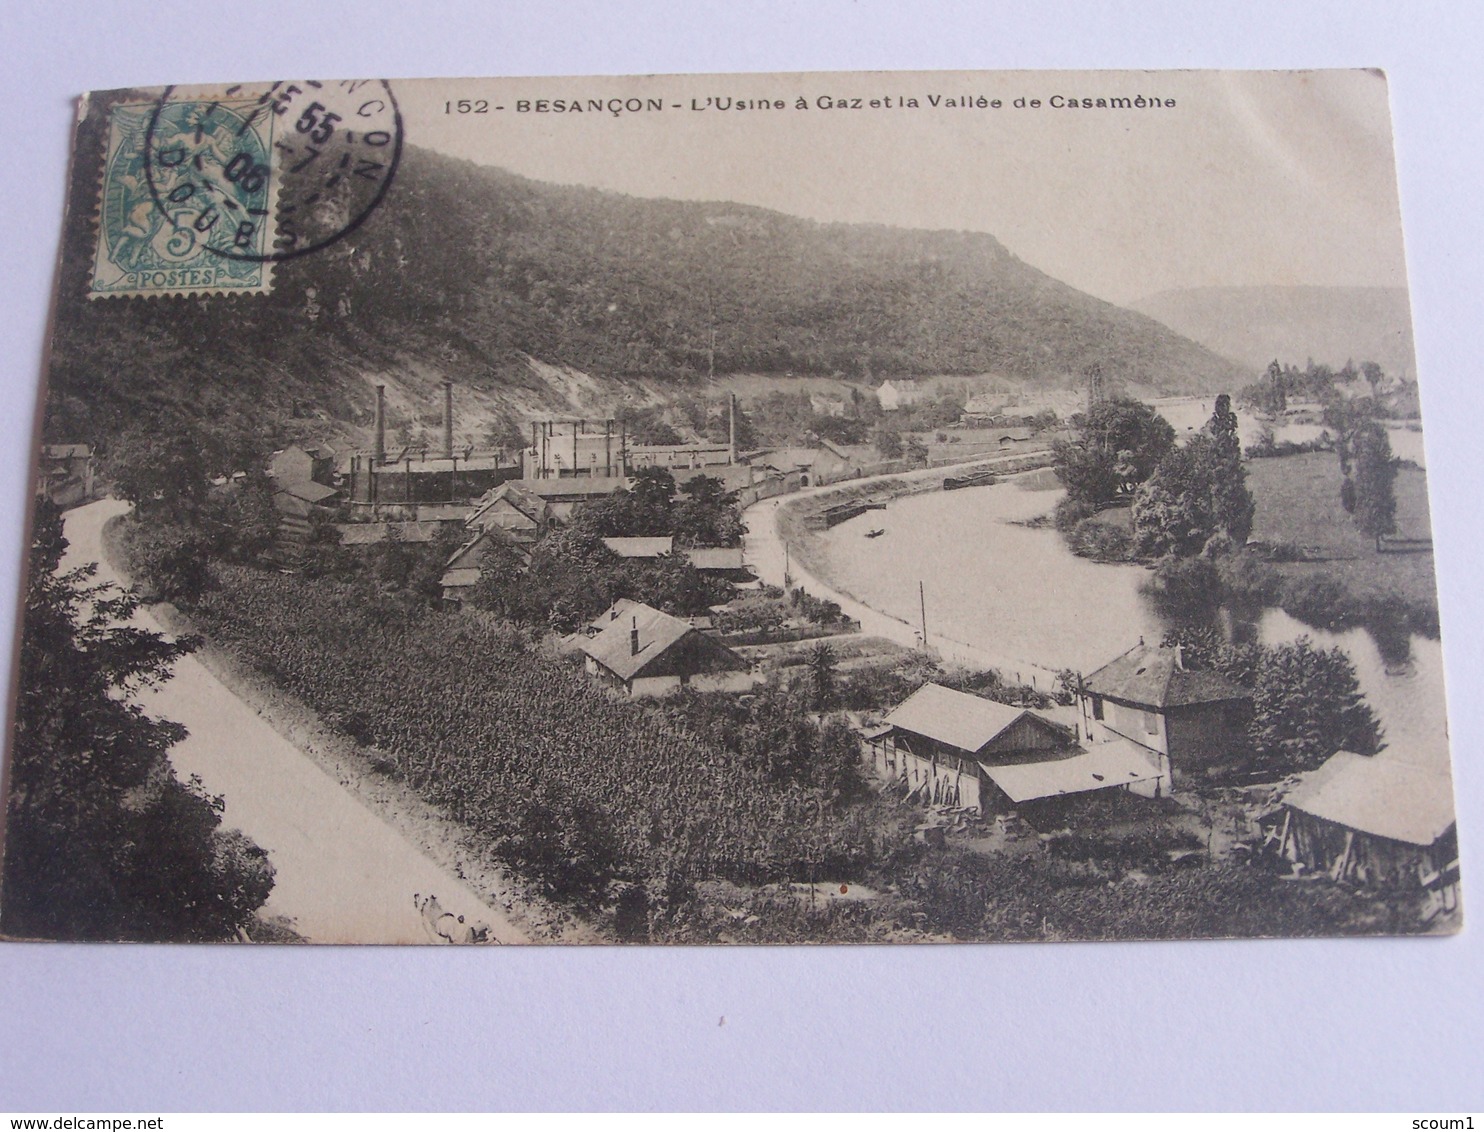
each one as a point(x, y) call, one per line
point(168, 560)
point(1071, 511)
point(1248, 581)
point(1319, 600)
point(1102, 542)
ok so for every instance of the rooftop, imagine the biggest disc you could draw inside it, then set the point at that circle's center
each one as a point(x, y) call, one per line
point(574, 486)
point(1378, 794)
point(716, 557)
point(1104, 766)
point(1150, 676)
point(460, 577)
point(511, 492)
point(364, 534)
point(613, 646)
point(956, 719)
point(308, 490)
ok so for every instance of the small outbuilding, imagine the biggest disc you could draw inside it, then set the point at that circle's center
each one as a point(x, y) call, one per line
point(1377, 821)
point(935, 741)
point(64, 474)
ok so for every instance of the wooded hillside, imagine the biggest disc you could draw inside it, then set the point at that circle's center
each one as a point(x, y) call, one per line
point(466, 271)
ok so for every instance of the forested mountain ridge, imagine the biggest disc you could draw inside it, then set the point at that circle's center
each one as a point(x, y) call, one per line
point(535, 297)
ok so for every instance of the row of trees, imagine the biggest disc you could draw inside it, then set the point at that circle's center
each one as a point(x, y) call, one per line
point(1280, 384)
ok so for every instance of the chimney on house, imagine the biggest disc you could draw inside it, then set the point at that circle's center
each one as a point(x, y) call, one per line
point(634, 638)
point(448, 420)
point(380, 426)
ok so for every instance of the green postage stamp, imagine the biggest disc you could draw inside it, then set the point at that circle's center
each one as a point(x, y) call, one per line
point(185, 206)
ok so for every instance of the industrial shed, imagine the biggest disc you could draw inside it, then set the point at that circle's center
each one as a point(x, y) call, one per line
point(1377, 821)
point(936, 740)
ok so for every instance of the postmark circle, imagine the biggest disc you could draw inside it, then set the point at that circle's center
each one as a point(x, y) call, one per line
point(272, 173)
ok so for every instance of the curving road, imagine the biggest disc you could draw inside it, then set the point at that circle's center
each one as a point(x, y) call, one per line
point(763, 549)
point(343, 874)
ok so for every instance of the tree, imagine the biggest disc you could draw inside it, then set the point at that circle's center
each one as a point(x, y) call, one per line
point(103, 841)
point(822, 661)
point(1269, 396)
point(1307, 705)
point(170, 559)
point(1374, 376)
point(889, 443)
point(1121, 443)
point(1306, 701)
point(706, 515)
point(1373, 493)
point(1198, 492)
point(653, 498)
point(250, 518)
point(160, 472)
point(1232, 504)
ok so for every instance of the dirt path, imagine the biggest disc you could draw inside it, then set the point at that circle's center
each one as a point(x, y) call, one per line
point(343, 874)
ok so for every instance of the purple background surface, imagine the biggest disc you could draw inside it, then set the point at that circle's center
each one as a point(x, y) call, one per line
point(1251, 1025)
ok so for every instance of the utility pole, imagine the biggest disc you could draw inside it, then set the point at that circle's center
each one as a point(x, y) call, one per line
point(922, 604)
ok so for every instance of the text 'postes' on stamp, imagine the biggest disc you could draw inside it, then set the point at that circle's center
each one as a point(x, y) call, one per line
point(204, 190)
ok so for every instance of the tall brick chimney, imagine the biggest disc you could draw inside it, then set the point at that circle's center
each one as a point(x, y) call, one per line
point(448, 420)
point(634, 638)
point(732, 429)
point(380, 442)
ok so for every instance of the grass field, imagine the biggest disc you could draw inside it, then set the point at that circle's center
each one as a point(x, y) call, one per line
point(1298, 501)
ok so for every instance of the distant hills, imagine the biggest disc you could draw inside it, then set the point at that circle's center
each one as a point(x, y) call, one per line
point(1332, 325)
point(539, 298)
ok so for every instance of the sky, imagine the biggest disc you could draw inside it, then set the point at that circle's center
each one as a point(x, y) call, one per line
point(1250, 178)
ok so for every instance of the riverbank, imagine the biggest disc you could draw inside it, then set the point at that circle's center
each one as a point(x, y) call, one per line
point(782, 550)
point(465, 880)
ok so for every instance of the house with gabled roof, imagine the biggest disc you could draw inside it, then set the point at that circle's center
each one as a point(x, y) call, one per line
point(467, 564)
point(1193, 721)
point(898, 393)
point(645, 652)
point(301, 463)
point(514, 509)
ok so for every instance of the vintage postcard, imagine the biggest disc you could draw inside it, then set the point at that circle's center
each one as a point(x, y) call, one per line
point(893, 507)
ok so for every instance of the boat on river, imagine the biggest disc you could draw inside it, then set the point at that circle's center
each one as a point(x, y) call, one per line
point(982, 478)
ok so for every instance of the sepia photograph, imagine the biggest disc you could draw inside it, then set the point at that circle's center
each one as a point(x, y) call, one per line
point(817, 508)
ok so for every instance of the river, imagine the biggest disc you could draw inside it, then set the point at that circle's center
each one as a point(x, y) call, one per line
point(1189, 414)
point(1017, 592)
